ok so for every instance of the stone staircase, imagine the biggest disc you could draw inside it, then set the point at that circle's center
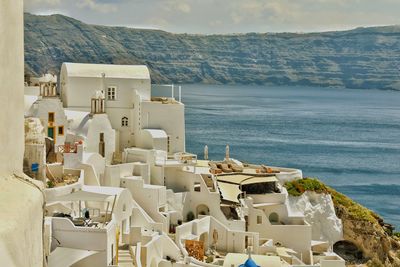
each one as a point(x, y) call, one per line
point(124, 257)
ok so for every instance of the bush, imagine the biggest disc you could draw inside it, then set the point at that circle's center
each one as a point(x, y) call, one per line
point(50, 184)
point(298, 187)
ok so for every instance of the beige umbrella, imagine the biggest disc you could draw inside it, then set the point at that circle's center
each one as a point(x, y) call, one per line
point(206, 152)
point(227, 152)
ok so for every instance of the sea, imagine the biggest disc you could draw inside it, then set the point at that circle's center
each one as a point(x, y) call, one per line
point(348, 138)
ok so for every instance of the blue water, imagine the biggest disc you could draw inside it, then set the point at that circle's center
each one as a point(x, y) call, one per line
point(348, 138)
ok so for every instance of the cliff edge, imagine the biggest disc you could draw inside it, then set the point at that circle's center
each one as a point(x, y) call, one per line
point(367, 239)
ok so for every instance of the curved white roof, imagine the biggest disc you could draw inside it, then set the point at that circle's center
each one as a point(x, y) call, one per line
point(77, 121)
point(29, 100)
point(110, 71)
point(155, 133)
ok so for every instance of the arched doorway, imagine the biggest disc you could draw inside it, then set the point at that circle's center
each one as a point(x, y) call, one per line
point(202, 210)
point(274, 218)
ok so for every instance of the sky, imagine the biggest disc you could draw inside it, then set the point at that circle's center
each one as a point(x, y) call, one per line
point(226, 16)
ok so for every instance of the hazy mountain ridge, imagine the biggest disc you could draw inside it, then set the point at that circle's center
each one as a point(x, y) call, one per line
point(360, 58)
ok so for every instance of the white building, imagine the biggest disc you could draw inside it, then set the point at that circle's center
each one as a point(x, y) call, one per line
point(49, 109)
point(128, 104)
point(120, 136)
point(121, 85)
point(94, 129)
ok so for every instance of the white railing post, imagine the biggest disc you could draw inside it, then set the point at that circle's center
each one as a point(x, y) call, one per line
point(172, 91)
point(180, 94)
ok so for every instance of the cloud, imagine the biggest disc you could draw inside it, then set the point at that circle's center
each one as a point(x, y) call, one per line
point(49, 4)
point(227, 16)
point(45, 2)
point(97, 6)
point(182, 6)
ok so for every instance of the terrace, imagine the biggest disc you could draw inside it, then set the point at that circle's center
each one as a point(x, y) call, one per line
point(97, 215)
point(233, 186)
point(176, 160)
point(61, 181)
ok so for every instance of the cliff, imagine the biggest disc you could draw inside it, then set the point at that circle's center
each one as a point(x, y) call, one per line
point(360, 58)
point(366, 240)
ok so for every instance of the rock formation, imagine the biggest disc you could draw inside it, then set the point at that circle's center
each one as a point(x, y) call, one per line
point(367, 240)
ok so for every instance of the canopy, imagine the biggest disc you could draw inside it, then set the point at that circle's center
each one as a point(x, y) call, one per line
point(259, 180)
point(84, 196)
point(229, 192)
point(244, 179)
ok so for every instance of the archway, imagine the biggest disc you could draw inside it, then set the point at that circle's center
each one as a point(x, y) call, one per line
point(202, 210)
point(274, 218)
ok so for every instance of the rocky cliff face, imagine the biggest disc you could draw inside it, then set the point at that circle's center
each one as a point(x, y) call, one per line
point(368, 232)
point(367, 240)
point(319, 212)
point(361, 58)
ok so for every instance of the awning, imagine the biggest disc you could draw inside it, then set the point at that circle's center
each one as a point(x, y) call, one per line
point(259, 180)
point(84, 196)
point(229, 192)
point(68, 256)
point(234, 178)
point(246, 179)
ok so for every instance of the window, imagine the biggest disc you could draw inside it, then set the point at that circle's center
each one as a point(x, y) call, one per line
point(112, 93)
point(259, 220)
point(60, 130)
point(124, 122)
point(51, 116)
point(273, 218)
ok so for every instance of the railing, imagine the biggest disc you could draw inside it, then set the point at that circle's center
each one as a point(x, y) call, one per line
point(186, 158)
point(172, 86)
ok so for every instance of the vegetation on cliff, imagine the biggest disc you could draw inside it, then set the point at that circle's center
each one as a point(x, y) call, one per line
point(361, 226)
point(360, 58)
point(354, 210)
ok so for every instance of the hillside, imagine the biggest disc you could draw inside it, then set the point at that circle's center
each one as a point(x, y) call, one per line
point(360, 58)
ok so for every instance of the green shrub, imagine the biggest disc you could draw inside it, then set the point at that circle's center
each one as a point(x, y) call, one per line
point(298, 187)
point(50, 184)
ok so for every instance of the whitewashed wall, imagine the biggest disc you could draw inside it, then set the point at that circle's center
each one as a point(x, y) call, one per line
point(100, 124)
point(41, 109)
point(20, 202)
point(167, 117)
